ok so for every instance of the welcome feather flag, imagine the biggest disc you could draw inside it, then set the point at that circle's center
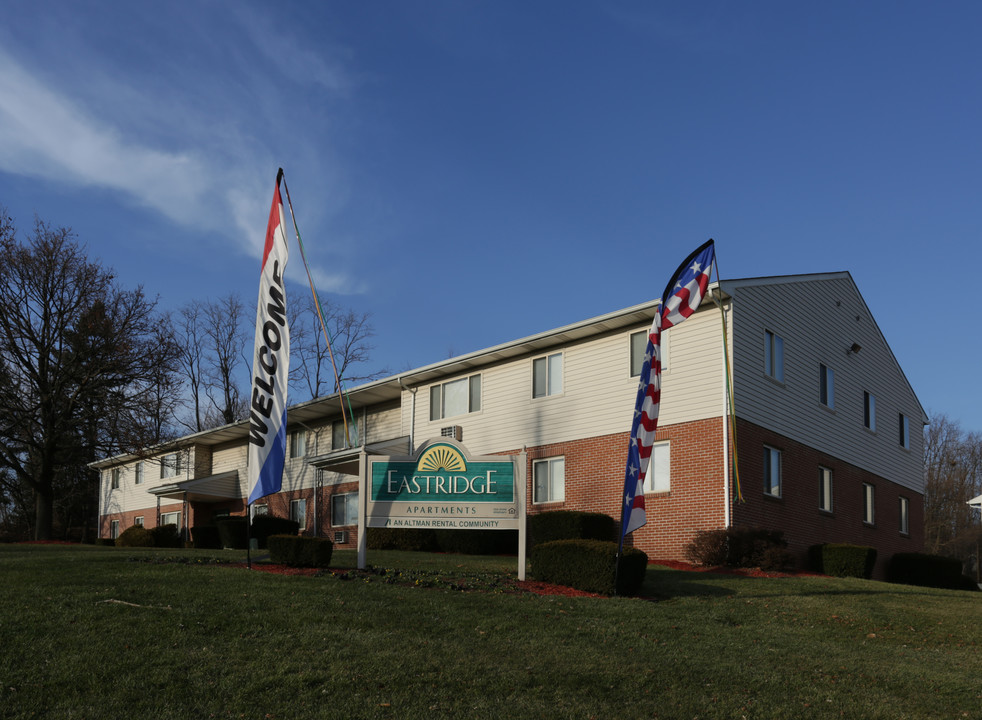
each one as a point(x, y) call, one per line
point(681, 298)
point(270, 362)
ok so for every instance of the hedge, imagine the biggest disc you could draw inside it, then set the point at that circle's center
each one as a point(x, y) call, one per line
point(166, 536)
point(206, 537)
point(135, 536)
point(739, 546)
point(589, 565)
point(300, 551)
point(843, 560)
point(233, 532)
point(927, 570)
point(265, 525)
point(570, 525)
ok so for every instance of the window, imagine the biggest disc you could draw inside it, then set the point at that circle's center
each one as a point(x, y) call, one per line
point(139, 473)
point(171, 518)
point(114, 529)
point(114, 475)
point(298, 512)
point(298, 443)
point(869, 495)
point(904, 516)
point(344, 509)
point(904, 432)
point(825, 489)
point(338, 441)
point(138, 521)
point(658, 477)
point(869, 411)
point(550, 480)
point(826, 385)
point(773, 356)
point(170, 465)
point(639, 344)
point(258, 510)
point(456, 397)
point(547, 375)
point(772, 472)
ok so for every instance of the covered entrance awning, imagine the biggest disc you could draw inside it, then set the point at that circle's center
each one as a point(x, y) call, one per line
point(211, 489)
point(976, 502)
point(348, 462)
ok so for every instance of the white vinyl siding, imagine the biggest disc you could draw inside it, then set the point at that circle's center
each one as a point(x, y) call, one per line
point(816, 316)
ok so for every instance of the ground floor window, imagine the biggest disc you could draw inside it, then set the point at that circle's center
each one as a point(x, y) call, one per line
point(298, 512)
point(344, 509)
point(171, 518)
point(658, 478)
point(772, 471)
point(138, 521)
point(869, 495)
point(259, 510)
point(550, 480)
point(114, 529)
point(904, 516)
point(825, 489)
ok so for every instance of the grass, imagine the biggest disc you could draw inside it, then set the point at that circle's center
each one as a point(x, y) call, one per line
point(91, 632)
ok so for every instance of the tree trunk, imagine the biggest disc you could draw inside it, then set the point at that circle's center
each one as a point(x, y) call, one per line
point(42, 515)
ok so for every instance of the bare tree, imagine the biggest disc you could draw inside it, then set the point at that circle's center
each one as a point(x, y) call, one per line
point(191, 354)
point(79, 357)
point(312, 369)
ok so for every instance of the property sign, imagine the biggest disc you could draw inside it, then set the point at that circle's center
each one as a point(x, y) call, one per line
point(442, 488)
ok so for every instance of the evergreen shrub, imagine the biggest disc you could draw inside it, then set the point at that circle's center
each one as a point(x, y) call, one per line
point(233, 532)
point(300, 551)
point(748, 547)
point(570, 525)
point(589, 565)
point(843, 560)
point(166, 536)
point(265, 525)
point(206, 537)
point(135, 536)
point(413, 539)
point(927, 570)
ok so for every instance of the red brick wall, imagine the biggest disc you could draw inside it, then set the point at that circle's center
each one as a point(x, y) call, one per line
point(797, 513)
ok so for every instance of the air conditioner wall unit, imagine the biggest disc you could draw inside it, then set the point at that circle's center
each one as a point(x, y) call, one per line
point(340, 537)
point(453, 431)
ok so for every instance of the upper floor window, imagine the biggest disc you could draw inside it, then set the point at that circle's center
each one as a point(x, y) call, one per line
point(339, 440)
point(639, 344)
point(869, 497)
point(139, 473)
point(658, 478)
point(549, 477)
point(904, 516)
point(773, 356)
point(547, 375)
point(826, 385)
point(825, 489)
point(114, 478)
point(772, 471)
point(869, 410)
point(457, 397)
point(904, 432)
point(170, 465)
point(298, 443)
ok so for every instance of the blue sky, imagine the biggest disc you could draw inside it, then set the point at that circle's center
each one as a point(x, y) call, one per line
point(474, 172)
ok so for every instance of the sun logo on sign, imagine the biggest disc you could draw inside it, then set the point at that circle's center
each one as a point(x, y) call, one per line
point(441, 457)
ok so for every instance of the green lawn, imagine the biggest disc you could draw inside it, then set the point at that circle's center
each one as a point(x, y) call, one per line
point(91, 632)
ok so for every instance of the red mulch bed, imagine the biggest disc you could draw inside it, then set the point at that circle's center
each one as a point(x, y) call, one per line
point(745, 572)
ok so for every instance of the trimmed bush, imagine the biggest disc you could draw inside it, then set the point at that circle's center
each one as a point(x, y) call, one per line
point(105, 542)
point(928, 571)
point(570, 525)
point(741, 547)
point(233, 532)
point(300, 551)
point(589, 565)
point(412, 539)
point(206, 537)
point(265, 525)
point(478, 542)
point(135, 536)
point(166, 536)
point(843, 560)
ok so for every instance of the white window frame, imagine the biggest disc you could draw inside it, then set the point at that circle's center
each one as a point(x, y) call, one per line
point(825, 490)
point(658, 478)
point(113, 529)
point(826, 386)
point(869, 411)
point(350, 501)
point(258, 509)
point(337, 434)
point(298, 512)
point(172, 517)
point(638, 344)
point(438, 397)
point(170, 465)
point(869, 504)
point(298, 444)
point(772, 472)
point(553, 485)
point(904, 519)
point(774, 356)
point(139, 474)
point(138, 521)
point(904, 430)
point(548, 371)
point(114, 478)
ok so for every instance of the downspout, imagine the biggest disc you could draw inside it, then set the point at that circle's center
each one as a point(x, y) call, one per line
point(412, 415)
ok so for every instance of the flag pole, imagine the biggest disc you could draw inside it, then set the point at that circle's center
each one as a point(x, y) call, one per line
point(731, 410)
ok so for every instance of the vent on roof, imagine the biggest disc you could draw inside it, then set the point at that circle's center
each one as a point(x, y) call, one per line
point(452, 431)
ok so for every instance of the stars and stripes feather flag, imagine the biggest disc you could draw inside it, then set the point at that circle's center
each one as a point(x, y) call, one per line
point(681, 298)
point(270, 362)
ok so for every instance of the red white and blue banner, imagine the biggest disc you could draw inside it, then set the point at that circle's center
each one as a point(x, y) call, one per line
point(270, 363)
point(681, 298)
